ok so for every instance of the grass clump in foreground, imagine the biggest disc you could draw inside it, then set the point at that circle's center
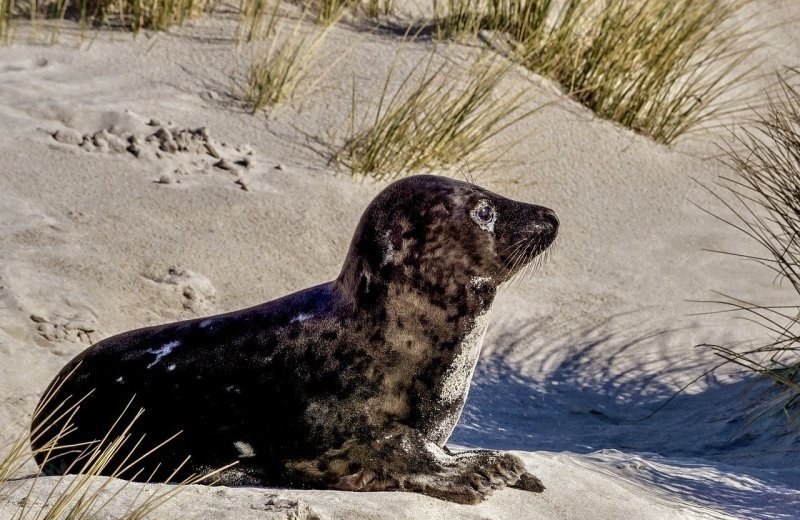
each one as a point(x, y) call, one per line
point(440, 115)
point(660, 67)
point(767, 188)
point(85, 493)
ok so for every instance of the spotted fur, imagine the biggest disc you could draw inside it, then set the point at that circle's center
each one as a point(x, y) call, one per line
point(353, 384)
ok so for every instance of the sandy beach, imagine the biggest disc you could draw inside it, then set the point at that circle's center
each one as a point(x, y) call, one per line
point(96, 240)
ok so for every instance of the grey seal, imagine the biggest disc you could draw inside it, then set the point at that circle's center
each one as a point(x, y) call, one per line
point(353, 384)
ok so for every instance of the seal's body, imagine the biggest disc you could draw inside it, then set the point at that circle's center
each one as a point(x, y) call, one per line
point(353, 384)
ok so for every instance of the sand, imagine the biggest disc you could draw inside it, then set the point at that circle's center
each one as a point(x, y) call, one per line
point(102, 231)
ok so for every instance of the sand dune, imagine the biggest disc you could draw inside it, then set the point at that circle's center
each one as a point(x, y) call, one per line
point(108, 222)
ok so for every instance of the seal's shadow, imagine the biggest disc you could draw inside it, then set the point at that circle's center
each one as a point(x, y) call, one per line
point(584, 405)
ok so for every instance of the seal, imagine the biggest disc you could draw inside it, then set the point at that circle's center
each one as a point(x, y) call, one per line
point(353, 384)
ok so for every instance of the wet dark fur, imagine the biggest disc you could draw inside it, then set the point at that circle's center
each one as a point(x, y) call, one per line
point(334, 386)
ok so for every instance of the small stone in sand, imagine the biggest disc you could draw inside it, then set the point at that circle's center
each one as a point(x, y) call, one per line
point(169, 146)
point(212, 150)
point(223, 164)
point(243, 184)
point(202, 132)
point(165, 179)
point(68, 136)
point(117, 144)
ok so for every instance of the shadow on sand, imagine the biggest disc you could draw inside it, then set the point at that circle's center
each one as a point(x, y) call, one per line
point(705, 445)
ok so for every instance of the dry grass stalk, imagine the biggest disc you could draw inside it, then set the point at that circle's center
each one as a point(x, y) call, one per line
point(251, 19)
point(328, 12)
point(767, 190)
point(376, 8)
point(80, 495)
point(7, 11)
point(434, 119)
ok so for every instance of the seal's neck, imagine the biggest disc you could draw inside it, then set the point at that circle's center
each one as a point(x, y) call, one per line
point(434, 302)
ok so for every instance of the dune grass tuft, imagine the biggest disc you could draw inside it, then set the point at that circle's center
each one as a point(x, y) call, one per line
point(134, 15)
point(465, 18)
point(376, 8)
point(281, 72)
point(328, 12)
point(660, 67)
point(153, 14)
point(767, 197)
point(426, 123)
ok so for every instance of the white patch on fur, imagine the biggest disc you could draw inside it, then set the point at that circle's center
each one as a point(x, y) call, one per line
point(388, 250)
point(205, 323)
point(163, 351)
point(171, 367)
point(458, 377)
point(120, 380)
point(245, 450)
point(480, 280)
point(301, 317)
point(438, 453)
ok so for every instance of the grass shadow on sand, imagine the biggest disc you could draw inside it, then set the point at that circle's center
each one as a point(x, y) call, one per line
point(705, 445)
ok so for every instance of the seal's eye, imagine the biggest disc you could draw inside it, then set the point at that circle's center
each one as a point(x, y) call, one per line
point(486, 213)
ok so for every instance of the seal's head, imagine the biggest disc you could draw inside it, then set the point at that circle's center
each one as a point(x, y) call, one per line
point(439, 234)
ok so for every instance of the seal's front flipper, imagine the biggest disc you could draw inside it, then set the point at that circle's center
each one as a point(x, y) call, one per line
point(506, 463)
point(406, 462)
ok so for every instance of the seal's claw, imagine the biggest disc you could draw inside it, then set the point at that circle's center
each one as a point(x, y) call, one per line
point(365, 480)
point(528, 482)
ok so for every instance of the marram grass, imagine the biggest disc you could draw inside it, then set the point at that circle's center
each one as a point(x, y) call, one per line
point(660, 67)
point(328, 12)
point(440, 116)
point(280, 71)
point(82, 495)
point(134, 15)
point(766, 210)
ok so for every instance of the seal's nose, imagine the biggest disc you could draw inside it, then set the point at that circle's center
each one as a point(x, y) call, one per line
point(549, 216)
point(545, 221)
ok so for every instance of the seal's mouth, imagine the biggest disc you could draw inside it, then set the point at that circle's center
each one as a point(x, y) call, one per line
point(530, 248)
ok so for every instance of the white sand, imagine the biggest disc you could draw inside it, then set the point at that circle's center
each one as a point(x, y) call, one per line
point(601, 336)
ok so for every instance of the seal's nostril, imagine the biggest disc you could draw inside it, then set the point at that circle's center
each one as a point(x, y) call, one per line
point(546, 219)
point(550, 215)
